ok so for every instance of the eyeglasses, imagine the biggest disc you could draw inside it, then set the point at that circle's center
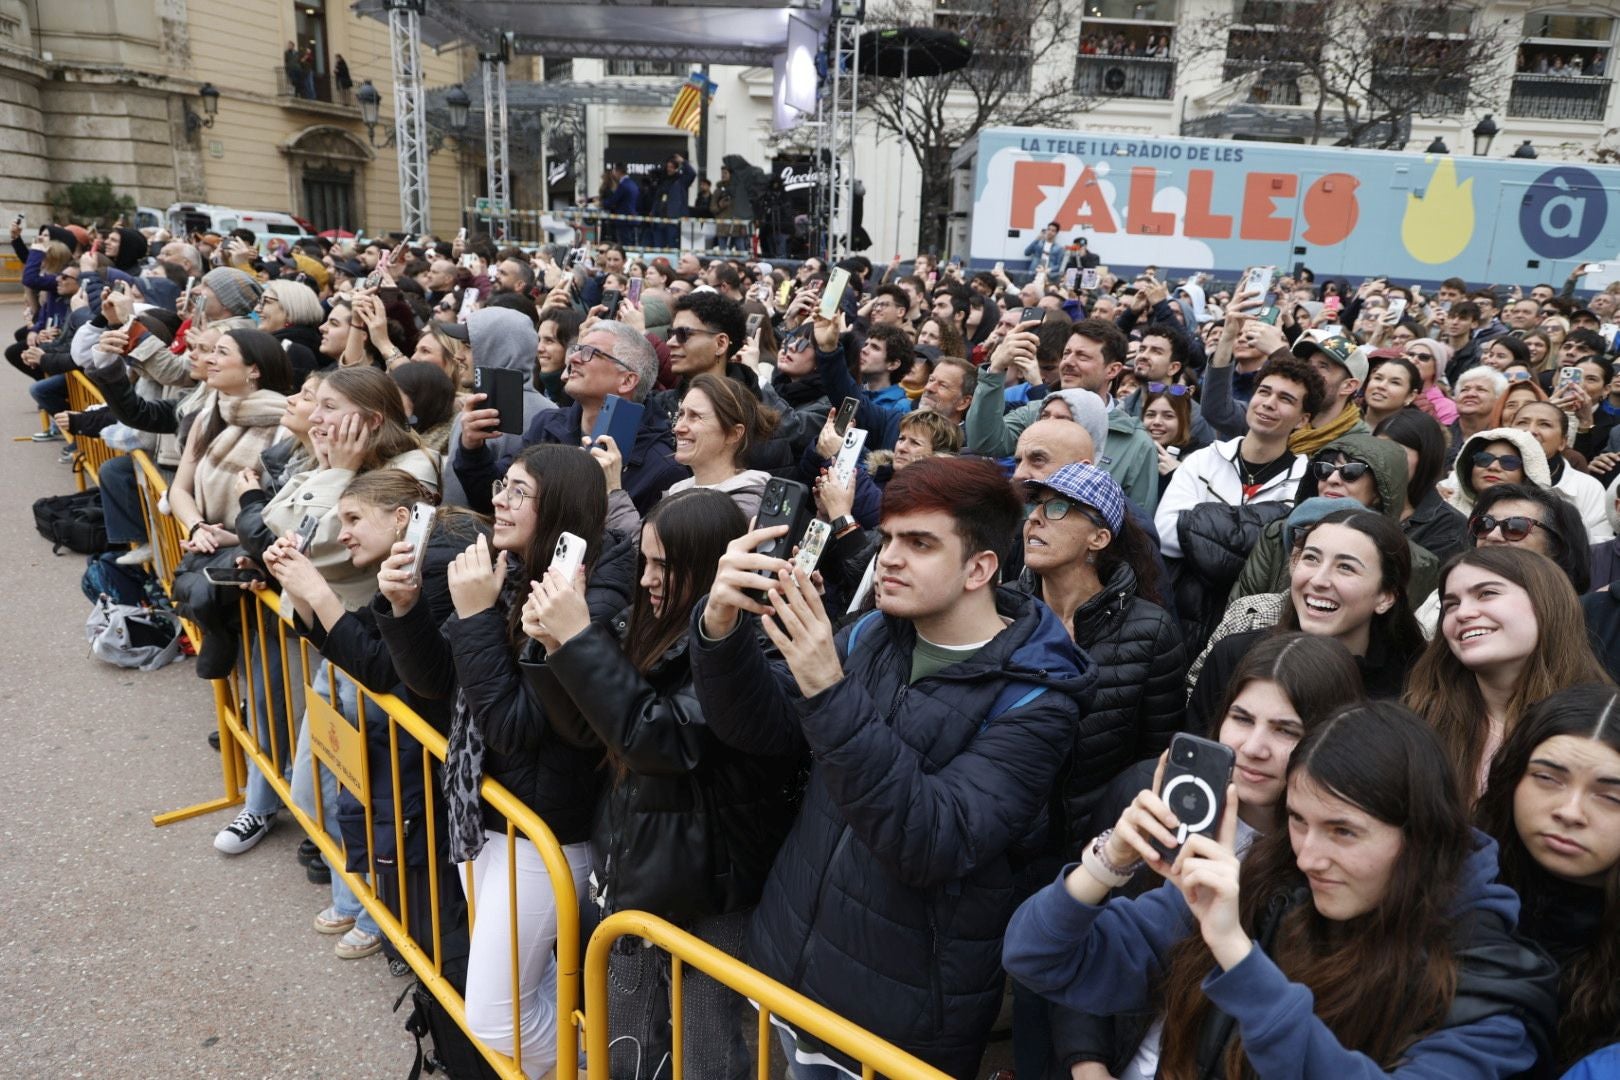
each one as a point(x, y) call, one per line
point(1350, 470)
point(1484, 459)
point(1173, 389)
point(591, 352)
point(515, 496)
point(1057, 508)
point(1514, 528)
point(680, 334)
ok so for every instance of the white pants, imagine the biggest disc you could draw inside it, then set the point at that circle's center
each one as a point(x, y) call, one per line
point(489, 963)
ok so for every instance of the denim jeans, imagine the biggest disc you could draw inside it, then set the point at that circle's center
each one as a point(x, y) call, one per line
point(264, 678)
point(50, 394)
point(305, 771)
point(121, 501)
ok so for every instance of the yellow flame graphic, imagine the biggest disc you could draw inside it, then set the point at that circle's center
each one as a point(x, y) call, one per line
point(1439, 224)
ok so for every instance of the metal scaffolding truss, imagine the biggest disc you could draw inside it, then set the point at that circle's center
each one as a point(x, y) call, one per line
point(410, 117)
point(492, 67)
point(836, 107)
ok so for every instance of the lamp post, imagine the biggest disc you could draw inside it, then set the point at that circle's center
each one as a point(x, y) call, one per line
point(1484, 132)
point(1525, 151)
point(210, 104)
point(458, 103)
point(1438, 147)
point(370, 103)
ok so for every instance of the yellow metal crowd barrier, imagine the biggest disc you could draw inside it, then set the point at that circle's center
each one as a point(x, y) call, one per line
point(82, 394)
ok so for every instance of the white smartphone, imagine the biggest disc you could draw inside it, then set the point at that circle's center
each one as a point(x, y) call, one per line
point(1259, 280)
point(461, 234)
point(1395, 311)
point(848, 455)
point(1090, 278)
point(569, 556)
point(810, 548)
point(1596, 268)
point(832, 298)
point(416, 534)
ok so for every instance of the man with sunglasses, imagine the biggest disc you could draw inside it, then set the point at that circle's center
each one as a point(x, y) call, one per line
point(609, 358)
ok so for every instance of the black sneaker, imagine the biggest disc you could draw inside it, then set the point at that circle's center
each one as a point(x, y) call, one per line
point(307, 852)
point(213, 739)
point(243, 833)
point(318, 873)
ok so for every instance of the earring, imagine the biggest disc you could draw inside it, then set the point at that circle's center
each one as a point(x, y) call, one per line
point(1091, 558)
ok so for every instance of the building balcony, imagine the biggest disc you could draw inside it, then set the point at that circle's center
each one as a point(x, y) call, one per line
point(1559, 97)
point(1276, 84)
point(1423, 93)
point(1149, 77)
point(326, 99)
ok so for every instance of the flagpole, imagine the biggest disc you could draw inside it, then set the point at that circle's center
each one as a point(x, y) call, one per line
point(703, 132)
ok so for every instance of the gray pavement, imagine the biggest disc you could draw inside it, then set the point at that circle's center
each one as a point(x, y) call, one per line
point(128, 951)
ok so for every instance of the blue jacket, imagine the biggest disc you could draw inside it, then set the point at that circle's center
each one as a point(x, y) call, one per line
point(1109, 959)
point(880, 411)
point(53, 309)
point(889, 897)
point(624, 198)
point(1603, 1065)
point(671, 194)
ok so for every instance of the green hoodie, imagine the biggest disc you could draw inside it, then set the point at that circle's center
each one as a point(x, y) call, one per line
point(1267, 568)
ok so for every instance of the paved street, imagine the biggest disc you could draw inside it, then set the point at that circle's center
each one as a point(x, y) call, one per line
point(131, 951)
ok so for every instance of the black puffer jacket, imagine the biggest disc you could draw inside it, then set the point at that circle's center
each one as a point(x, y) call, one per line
point(1216, 540)
point(1138, 702)
point(1438, 528)
point(556, 781)
point(302, 345)
point(688, 826)
point(889, 898)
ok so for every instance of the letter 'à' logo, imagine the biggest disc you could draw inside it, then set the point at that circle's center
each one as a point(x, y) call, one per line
point(1563, 212)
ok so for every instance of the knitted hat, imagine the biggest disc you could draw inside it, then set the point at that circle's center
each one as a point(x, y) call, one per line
point(238, 293)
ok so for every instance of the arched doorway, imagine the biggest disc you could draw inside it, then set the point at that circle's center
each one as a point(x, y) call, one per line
point(326, 177)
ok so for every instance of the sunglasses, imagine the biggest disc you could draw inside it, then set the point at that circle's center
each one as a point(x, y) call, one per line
point(1484, 459)
point(1173, 389)
point(1514, 528)
point(1350, 470)
point(1519, 376)
point(681, 334)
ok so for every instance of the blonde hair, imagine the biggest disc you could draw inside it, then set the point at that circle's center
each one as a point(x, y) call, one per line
point(57, 257)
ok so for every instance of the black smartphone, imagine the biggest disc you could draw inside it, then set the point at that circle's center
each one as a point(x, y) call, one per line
point(846, 415)
point(1196, 776)
point(611, 299)
point(619, 419)
point(503, 390)
point(1032, 314)
point(307, 527)
point(231, 575)
point(785, 502)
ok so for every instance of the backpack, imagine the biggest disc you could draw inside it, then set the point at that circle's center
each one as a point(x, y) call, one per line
point(104, 577)
point(132, 637)
point(73, 521)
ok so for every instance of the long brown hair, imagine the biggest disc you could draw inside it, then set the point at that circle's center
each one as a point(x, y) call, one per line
point(571, 496)
point(1384, 979)
point(1180, 404)
point(1446, 694)
point(694, 527)
point(377, 395)
point(1589, 1013)
point(1317, 674)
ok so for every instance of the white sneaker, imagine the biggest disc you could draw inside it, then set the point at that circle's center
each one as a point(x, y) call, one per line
point(135, 556)
point(247, 830)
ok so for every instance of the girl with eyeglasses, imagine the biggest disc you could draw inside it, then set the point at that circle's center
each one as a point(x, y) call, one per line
point(1511, 633)
point(1497, 455)
point(1553, 807)
point(1367, 938)
point(498, 730)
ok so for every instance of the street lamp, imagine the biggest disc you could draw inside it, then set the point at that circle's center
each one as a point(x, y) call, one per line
point(1484, 132)
point(370, 101)
point(210, 103)
point(1525, 151)
point(1438, 147)
point(458, 103)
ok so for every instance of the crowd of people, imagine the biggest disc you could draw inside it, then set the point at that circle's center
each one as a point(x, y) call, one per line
point(1361, 536)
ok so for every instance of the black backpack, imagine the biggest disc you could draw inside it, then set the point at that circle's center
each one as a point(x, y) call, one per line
point(73, 521)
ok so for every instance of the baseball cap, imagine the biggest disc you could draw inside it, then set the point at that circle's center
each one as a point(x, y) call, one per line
point(1337, 348)
point(458, 330)
point(1089, 486)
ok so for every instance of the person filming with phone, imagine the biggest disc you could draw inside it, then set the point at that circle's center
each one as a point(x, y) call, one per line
point(1366, 936)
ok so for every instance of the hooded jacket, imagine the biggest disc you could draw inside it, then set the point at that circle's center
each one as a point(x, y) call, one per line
point(500, 338)
point(131, 250)
point(302, 344)
point(1108, 959)
point(1535, 464)
point(888, 899)
point(1138, 701)
point(1266, 570)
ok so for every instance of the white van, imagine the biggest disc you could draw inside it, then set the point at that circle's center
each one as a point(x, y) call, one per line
point(187, 218)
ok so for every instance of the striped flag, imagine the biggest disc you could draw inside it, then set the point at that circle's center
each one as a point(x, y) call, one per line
point(687, 111)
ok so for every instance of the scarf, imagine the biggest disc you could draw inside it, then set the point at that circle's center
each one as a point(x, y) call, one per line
point(1309, 440)
point(463, 773)
point(252, 423)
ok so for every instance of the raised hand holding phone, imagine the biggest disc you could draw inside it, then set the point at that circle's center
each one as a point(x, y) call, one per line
point(800, 629)
point(1206, 872)
point(737, 580)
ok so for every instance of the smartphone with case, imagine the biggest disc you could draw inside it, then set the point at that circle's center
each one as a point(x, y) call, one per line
point(611, 299)
point(1196, 776)
point(416, 534)
point(232, 575)
point(503, 390)
point(620, 420)
point(785, 502)
point(832, 297)
point(846, 415)
point(849, 455)
point(1090, 278)
point(753, 322)
point(1259, 280)
point(1032, 314)
point(307, 526)
point(633, 292)
point(810, 548)
point(568, 556)
point(1070, 276)
point(1396, 311)
point(1567, 377)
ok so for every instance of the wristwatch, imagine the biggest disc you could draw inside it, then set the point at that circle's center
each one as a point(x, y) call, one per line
point(840, 523)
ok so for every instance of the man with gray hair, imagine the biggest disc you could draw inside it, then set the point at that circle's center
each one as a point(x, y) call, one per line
point(183, 255)
point(610, 358)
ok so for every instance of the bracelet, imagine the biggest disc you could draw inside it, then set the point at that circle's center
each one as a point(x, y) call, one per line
point(1098, 866)
point(194, 527)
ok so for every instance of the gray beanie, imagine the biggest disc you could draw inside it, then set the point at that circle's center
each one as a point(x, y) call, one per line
point(238, 292)
point(1087, 410)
